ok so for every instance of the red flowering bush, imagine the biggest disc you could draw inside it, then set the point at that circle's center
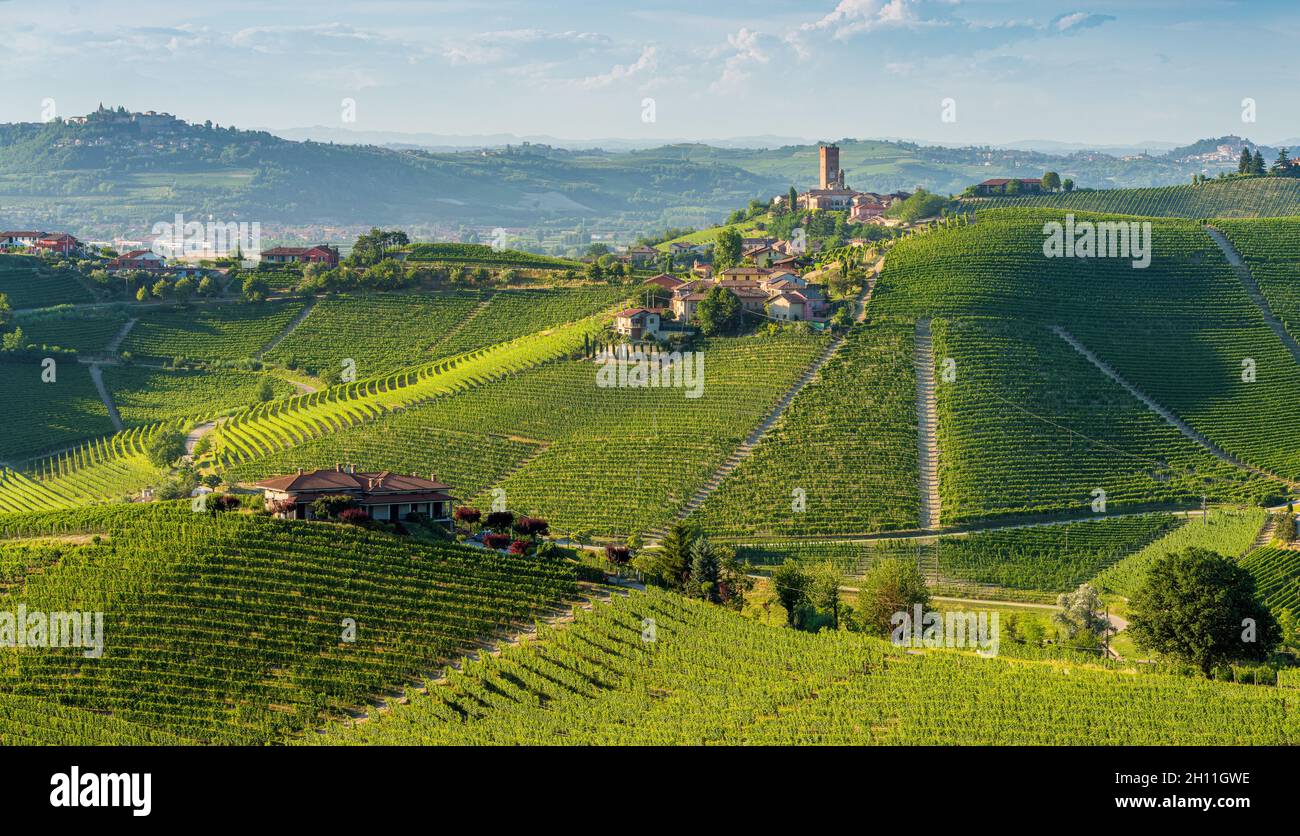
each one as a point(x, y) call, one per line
point(520, 547)
point(532, 527)
point(354, 516)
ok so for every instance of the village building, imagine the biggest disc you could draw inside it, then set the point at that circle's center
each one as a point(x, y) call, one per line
point(384, 496)
point(638, 323)
point(320, 254)
point(61, 243)
point(21, 240)
point(137, 260)
point(641, 255)
point(998, 185)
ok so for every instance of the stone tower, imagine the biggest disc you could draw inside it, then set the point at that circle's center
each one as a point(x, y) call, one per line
point(830, 166)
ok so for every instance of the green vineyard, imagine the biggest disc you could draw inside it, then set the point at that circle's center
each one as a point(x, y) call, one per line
point(650, 669)
point(235, 628)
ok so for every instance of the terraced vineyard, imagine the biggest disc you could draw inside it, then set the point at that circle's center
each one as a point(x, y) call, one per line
point(1048, 558)
point(481, 254)
point(1228, 532)
point(278, 425)
point(380, 333)
point(1277, 576)
point(403, 443)
point(83, 333)
point(146, 396)
point(623, 459)
point(847, 441)
point(209, 333)
point(230, 628)
point(1271, 249)
point(29, 283)
point(600, 681)
point(109, 468)
point(513, 313)
point(996, 267)
point(1260, 197)
point(40, 416)
point(30, 722)
point(1198, 370)
point(1029, 426)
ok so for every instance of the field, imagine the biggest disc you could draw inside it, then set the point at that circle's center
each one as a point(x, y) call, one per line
point(1261, 197)
point(230, 628)
point(847, 443)
point(146, 395)
point(649, 669)
point(209, 333)
point(380, 333)
point(30, 284)
point(1271, 249)
point(41, 416)
point(82, 333)
point(1277, 576)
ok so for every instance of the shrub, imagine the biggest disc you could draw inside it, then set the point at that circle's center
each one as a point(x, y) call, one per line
point(520, 547)
point(496, 541)
point(500, 520)
point(617, 555)
point(532, 527)
point(467, 514)
point(354, 516)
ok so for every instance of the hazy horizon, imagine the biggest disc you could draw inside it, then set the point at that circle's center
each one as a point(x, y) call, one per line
point(956, 73)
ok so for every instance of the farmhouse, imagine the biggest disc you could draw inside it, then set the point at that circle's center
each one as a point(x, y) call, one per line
point(320, 254)
point(384, 495)
point(998, 185)
point(19, 240)
point(758, 290)
point(637, 323)
point(137, 260)
point(641, 255)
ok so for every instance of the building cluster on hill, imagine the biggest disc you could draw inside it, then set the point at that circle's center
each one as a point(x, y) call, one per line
point(834, 194)
point(147, 121)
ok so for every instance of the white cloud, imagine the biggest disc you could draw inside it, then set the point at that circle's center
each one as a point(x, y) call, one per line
point(620, 72)
point(745, 51)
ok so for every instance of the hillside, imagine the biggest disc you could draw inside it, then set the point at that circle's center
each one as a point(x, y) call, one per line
point(1254, 197)
point(231, 628)
point(653, 669)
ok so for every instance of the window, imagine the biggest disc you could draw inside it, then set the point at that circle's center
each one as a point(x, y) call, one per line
point(381, 512)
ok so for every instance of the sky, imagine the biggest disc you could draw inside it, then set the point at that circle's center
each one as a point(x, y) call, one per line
point(970, 72)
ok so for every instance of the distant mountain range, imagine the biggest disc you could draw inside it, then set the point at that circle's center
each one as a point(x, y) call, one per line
point(113, 174)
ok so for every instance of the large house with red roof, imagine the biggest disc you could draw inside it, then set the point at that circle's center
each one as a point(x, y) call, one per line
point(384, 496)
point(320, 254)
point(137, 260)
point(637, 323)
point(52, 242)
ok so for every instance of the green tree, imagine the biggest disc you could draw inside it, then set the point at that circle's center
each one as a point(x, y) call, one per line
point(1067, 184)
point(1283, 163)
point(5, 310)
point(705, 570)
point(793, 197)
point(1051, 181)
point(824, 590)
point(889, 587)
point(1200, 607)
point(719, 312)
point(165, 447)
point(791, 586)
point(670, 564)
point(1081, 612)
point(1257, 163)
point(265, 390)
point(1245, 163)
point(727, 249)
point(15, 340)
point(255, 288)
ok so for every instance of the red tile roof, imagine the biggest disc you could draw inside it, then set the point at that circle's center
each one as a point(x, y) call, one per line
point(338, 480)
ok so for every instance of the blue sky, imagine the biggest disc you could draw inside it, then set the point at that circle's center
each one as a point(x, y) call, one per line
point(1081, 71)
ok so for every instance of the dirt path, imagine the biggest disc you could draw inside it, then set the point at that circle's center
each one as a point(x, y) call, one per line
point(97, 375)
point(115, 344)
point(288, 329)
point(194, 435)
point(927, 423)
